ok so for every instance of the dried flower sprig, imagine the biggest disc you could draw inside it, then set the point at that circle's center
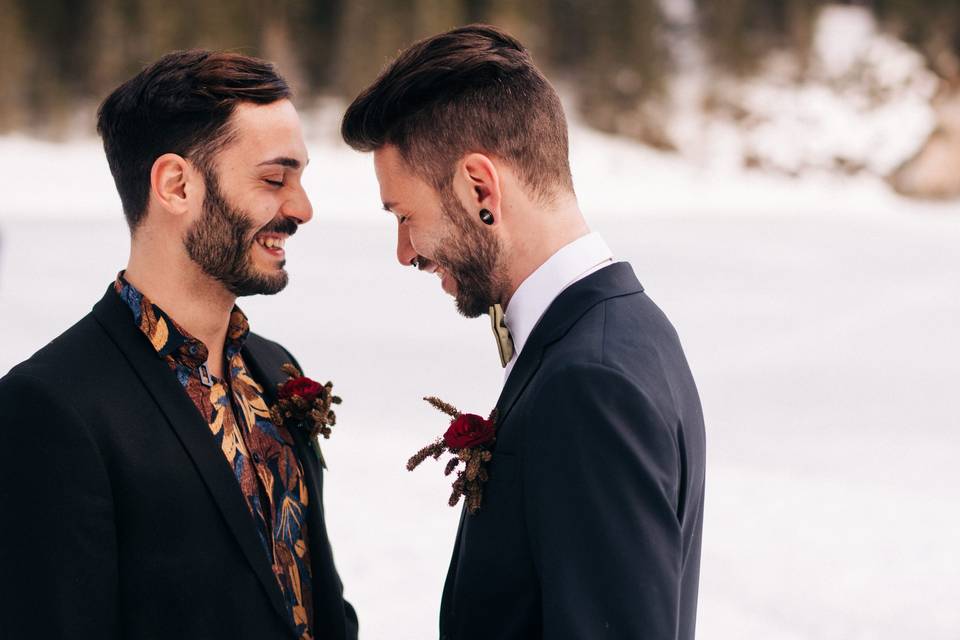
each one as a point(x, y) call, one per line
point(469, 439)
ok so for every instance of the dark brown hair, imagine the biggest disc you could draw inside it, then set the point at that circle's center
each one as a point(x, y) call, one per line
point(180, 104)
point(472, 89)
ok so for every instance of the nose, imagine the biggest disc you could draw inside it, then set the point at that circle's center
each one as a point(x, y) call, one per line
point(298, 207)
point(405, 251)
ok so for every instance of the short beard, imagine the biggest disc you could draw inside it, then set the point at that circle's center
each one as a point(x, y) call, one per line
point(220, 243)
point(472, 258)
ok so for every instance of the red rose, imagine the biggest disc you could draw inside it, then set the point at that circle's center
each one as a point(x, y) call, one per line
point(469, 430)
point(302, 386)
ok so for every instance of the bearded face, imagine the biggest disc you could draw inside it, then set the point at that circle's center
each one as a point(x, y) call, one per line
point(471, 257)
point(222, 241)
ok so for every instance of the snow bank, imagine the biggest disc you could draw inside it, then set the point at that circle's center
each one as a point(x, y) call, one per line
point(614, 177)
point(863, 105)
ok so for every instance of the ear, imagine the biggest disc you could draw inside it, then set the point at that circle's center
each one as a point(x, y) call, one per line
point(477, 182)
point(169, 178)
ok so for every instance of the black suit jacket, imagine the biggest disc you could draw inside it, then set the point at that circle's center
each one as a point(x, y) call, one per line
point(591, 521)
point(121, 516)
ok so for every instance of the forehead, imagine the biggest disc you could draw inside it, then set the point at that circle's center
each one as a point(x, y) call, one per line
point(398, 182)
point(389, 164)
point(267, 131)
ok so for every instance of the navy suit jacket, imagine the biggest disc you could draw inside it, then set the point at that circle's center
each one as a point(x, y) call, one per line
point(121, 516)
point(591, 520)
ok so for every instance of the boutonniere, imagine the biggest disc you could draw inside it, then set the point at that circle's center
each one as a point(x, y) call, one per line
point(305, 404)
point(469, 438)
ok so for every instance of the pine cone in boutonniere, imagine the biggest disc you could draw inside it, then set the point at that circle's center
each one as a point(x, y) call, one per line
point(469, 439)
point(306, 404)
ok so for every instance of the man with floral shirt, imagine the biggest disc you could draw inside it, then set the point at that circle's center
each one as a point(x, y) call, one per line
point(147, 491)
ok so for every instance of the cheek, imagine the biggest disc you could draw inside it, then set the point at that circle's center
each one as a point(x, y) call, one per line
point(260, 206)
point(268, 210)
point(426, 243)
point(428, 239)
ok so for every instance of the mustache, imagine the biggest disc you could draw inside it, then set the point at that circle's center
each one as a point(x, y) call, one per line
point(284, 226)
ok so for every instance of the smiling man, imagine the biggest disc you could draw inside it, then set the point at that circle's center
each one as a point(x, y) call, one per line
point(590, 523)
point(146, 491)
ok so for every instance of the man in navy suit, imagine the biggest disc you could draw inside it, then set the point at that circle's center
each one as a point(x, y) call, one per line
point(590, 523)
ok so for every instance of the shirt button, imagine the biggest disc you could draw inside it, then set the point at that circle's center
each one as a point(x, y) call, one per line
point(257, 459)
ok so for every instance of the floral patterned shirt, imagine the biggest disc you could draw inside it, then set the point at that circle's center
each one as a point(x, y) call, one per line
point(260, 453)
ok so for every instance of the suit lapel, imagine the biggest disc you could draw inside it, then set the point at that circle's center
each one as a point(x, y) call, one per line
point(264, 362)
point(610, 282)
point(194, 434)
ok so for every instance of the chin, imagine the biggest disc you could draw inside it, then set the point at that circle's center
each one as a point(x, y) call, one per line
point(471, 307)
point(264, 264)
point(269, 269)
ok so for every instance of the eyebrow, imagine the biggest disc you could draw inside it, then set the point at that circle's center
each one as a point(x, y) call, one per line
point(284, 161)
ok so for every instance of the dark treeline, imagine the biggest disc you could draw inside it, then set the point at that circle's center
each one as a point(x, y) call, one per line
point(739, 32)
point(58, 58)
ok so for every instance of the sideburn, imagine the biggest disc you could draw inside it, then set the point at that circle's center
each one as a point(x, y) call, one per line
point(474, 265)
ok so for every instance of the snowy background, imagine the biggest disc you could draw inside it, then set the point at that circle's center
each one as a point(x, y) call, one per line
point(820, 319)
point(819, 313)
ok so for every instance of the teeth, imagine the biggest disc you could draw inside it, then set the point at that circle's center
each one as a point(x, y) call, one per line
point(272, 243)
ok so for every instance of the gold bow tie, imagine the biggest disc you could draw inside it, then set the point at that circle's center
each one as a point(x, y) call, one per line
point(502, 334)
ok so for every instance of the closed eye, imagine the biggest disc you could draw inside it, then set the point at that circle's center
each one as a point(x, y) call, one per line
point(275, 183)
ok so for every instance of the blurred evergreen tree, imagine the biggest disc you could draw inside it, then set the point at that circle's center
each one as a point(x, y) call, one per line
point(932, 25)
point(615, 53)
point(315, 38)
point(373, 32)
point(16, 59)
point(56, 68)
point(58, 58)
point(739, 33)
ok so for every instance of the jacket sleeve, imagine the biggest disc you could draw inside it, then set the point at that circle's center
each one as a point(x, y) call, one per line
point(353, 627)
point(601, 478)
point(58, 560)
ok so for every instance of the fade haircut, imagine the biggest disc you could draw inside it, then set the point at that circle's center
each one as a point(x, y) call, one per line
point(472, 89)
point(180, 104)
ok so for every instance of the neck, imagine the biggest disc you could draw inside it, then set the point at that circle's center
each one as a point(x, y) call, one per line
point(544, 232)
point(197, 302)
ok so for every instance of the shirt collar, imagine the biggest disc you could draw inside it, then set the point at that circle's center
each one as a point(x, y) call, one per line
point(168, 337)
point(535, 294)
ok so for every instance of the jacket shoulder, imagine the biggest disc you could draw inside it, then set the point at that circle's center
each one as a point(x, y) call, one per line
point(623, 325)
point(631, 336)
point(60, 359)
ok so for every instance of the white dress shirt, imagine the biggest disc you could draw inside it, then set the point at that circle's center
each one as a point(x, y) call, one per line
point(530, 301)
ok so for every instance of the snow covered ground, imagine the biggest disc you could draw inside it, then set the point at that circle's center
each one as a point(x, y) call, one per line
point(820, 319)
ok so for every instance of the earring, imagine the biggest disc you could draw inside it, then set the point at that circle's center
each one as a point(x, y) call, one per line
point(486, 216)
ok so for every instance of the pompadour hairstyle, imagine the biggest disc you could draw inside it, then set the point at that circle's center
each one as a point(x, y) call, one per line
point(472, 89)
